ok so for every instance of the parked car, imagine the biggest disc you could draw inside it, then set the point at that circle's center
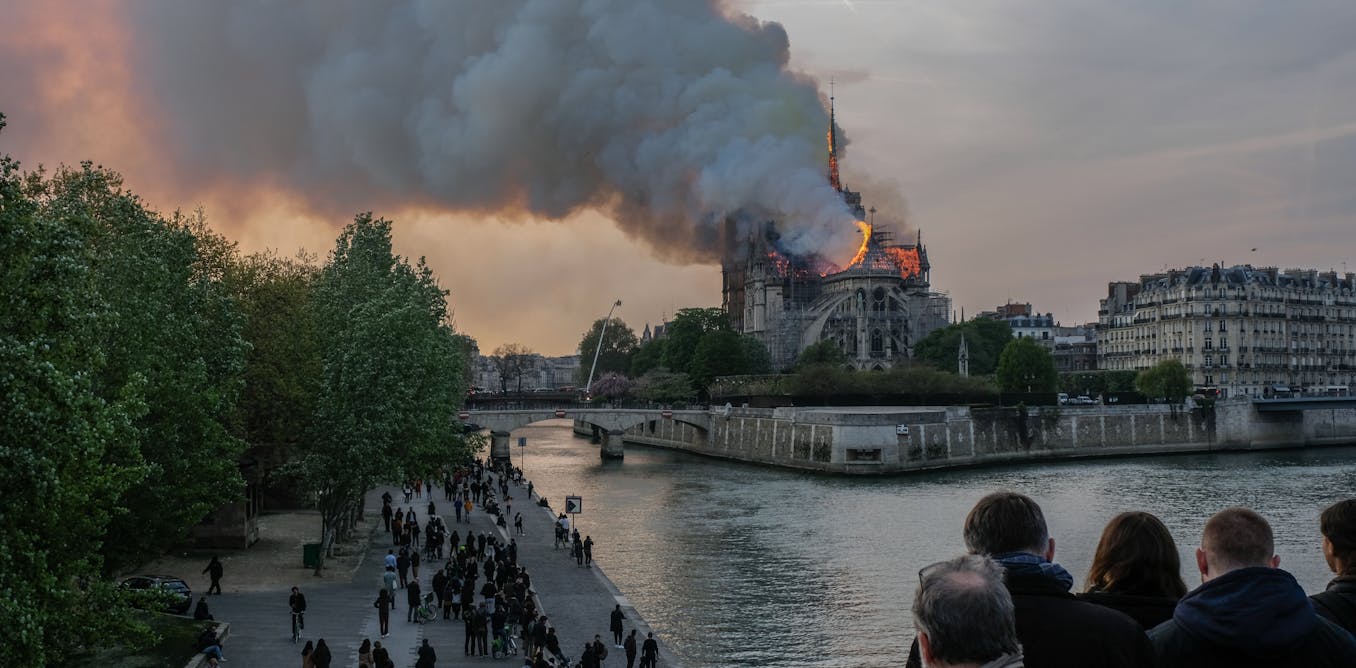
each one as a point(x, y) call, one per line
point(182, 595)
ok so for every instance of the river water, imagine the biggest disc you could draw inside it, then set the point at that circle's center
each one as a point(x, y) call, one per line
point(735, 564)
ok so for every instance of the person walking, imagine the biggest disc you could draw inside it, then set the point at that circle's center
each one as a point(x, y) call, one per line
point(365, 655)
point(616, 626)
point(649, 652)
point(389, 579)
point(578, 550)
point(386, 514)
point(414, 564)
point(427, 657)
point(630, 646)
point(307, 660)
point(383, 604)
point(214, 571)
point(381, 658)
point(321, 657)
point(518, 524)
point(588, 551)
point(412, 597)
point(403, 567)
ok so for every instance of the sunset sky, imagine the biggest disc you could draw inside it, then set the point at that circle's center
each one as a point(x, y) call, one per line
point(1043, 148)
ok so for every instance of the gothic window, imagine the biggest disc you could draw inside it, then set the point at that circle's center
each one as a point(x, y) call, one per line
point(877, 341)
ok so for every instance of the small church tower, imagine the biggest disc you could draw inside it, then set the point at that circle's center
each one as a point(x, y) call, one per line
point(963, 359)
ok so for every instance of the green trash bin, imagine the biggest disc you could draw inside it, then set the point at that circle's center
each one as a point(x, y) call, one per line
point(310, 555)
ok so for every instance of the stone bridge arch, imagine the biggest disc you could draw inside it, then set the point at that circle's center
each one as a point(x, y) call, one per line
point(609, 424)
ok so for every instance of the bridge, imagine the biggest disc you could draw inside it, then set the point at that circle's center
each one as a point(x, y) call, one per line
point(608, 423)
point(1292, 404)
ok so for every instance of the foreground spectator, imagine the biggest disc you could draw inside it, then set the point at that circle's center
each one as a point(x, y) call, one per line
point(1248, 612)
point(964, 616)
point(1338, 602)
point(1136, 569)
point(1055, 628)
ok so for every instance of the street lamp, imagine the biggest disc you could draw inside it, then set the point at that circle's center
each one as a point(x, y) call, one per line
point(599, 349)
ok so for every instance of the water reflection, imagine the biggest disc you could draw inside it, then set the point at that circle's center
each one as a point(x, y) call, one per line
point(742, 565)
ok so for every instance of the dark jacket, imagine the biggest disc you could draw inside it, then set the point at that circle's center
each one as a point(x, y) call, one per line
point(616, 622)
point(1149, 611)
point(1251, 617)
point(427, 657)
point(1337, 604)
point(1057, 630)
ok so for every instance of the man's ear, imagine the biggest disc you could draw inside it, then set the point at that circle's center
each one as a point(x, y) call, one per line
point(1275, 561)
point(1050, 550)
point(924, 648)
point(1201, 564)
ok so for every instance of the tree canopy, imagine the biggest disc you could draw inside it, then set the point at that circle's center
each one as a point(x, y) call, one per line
point(1168, 380)
point(984, 338)
point(1026, 367)
point(619, 344)
point(685, 332)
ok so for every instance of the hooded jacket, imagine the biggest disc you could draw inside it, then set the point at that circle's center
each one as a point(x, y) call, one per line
point(1252, 616)
point(1338, 602)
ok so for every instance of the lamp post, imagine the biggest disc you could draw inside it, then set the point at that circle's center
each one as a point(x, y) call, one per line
point(589, 385)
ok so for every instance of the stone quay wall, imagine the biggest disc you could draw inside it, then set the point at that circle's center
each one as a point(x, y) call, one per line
point(893, 440)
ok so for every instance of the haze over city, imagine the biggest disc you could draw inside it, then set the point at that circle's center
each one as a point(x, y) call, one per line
point(1043, 150)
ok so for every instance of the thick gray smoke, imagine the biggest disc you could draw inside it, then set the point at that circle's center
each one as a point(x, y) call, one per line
point(666, 114)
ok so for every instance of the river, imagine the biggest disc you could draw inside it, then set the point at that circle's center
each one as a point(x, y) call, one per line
point(735, 564)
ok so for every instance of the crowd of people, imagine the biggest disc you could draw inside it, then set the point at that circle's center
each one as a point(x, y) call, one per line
point(1007, 603)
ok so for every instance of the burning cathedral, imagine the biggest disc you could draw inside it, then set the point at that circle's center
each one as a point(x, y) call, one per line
point(874, 309)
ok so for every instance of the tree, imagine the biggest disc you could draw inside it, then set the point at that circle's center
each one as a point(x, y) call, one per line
point(719, 353)
point(173, 332)
point(511, 361)
point(648, 356)
point(662, 386)
point(1026, 367)
point(757, 359)
point(820, 380)
point(985, 339)
point(826, 351)
point(619, 344)
point(1167, 380)
point(612, 386)
point(392, 376)
point(686, 331)
point(67, 453)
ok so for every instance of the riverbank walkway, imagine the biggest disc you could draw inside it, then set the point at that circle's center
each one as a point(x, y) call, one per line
point(578, 601)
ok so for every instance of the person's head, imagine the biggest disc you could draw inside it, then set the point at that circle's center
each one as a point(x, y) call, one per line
point(320, 644)
point(296, 590)
point(1137, 555)
point(310, 647)
point(366, 646)
point(1007, 522)
point(1235, 538)
point(1338, 525)
point(963, 613)
point(425, 642)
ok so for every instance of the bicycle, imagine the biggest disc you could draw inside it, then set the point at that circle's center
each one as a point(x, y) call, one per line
point(296, 626)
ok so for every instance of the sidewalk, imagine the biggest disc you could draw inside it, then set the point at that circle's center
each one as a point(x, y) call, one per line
point(577, 600)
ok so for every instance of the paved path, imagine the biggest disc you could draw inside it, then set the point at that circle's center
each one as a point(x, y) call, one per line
point(577, 601)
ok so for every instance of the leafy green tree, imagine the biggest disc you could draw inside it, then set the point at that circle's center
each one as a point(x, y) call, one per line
point(757, 358)
point(826, 351)
point(619, 344)
point(662, 386)
point(174, 332)
point(686, 330)
point(1167, 380)
point(1026, 366)
point(719, 353)
point(648, 357)
point(392, 376)
point(984, 338)
point(1093, 383)
point(820, 380)
point(67, 453)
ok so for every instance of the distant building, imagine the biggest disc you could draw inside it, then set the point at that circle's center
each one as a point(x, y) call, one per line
point(1025, 322)
point(1075, 348)
point(543, 373)
point(1241, 330)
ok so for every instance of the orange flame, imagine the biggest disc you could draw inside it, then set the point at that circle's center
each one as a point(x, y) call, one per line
point(865, 227)
point(906, 259)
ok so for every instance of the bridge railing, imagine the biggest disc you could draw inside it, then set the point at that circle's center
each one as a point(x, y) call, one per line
point(546, 403)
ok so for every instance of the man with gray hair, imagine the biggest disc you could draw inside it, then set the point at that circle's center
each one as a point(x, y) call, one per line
point(1247, 611)
point(964, 616)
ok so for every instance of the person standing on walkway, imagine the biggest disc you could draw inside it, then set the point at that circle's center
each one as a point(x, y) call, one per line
point(389, 579)
point(214, 571)
point(307, 661)
point(383, 605)
point(578, 550)
point(297, 601)
point(588, 551)
point(386, 514)
point(414, 564)
point(616, 625)
point(427, 657)
point(630, 647)
point(321, 657)
point(412, 597)
point(403, 567)
point(381, 658)
point(365, 655)
point(480, 628)
point(649, 652)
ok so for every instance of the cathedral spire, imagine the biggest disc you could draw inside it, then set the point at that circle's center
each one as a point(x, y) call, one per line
point(833, 145)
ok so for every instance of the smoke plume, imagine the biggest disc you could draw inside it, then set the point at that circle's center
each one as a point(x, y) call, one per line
point(668, 115)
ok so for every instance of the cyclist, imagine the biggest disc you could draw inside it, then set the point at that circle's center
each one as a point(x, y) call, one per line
point(297, 602)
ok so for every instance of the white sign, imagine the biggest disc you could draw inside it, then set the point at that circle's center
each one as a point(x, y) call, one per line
point(902, 429)
point(574, 504)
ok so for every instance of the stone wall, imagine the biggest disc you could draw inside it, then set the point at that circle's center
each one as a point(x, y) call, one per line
point(892, 440)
